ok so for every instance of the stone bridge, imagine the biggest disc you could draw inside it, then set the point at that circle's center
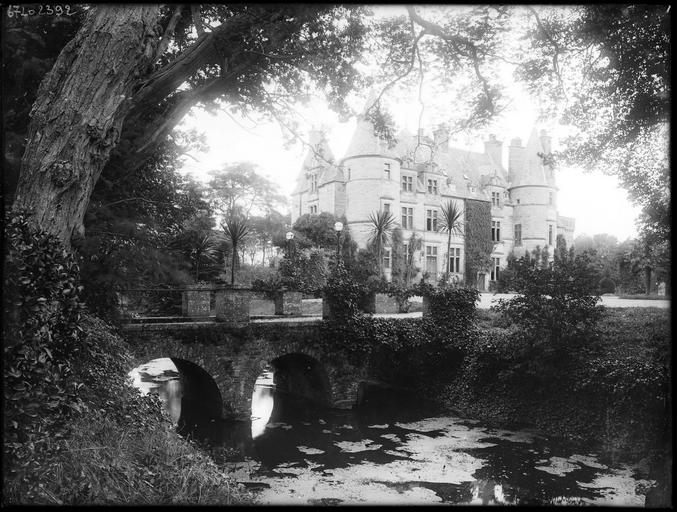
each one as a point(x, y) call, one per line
point(220, 363)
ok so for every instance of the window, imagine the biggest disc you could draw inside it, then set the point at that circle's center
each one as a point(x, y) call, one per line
point(313, 210)
point(431, 220)
point(518, 235)
point(455, 260)
point(518, 201)
point(407, 183)
point(386, 171)
point(495, 230)
point(432, 186)
point(386, 207)
point(407, 218)
point(550, 197)
point(495, 267)
point(495, 199)
point(405, 251)
point(348, 173)
point(313, 182)
point(431, 259)
point(549, 234)
point(386, 258)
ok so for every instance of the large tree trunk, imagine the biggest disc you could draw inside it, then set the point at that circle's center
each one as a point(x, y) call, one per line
point(78, 115)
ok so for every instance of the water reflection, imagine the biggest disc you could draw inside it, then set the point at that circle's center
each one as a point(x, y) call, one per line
point(263, 402)
point(161, 377)
point(292, 452)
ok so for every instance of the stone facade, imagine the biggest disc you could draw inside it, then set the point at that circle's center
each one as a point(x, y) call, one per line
point(416, 177)
point(235, 358)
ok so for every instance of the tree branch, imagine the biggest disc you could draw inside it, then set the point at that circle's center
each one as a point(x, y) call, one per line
point(556, 47)
point(197, 19)
point(169, 32)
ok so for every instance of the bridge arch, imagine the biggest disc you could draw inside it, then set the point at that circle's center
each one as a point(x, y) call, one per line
point(200, 395)
point(234, 360)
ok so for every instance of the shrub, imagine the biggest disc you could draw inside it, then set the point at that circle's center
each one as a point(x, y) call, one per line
point(556, 303)
point(452, 308)
point(41, 340)
point(606, 285)
point(75, 431)
point(344, 295)
point(306, 271)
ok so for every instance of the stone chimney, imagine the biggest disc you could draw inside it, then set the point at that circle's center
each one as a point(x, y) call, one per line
point(441, 137)
point(546, 142)
point(494, 148)
point(515, 157)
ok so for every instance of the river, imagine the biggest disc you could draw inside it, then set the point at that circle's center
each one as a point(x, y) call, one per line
point(291, 453)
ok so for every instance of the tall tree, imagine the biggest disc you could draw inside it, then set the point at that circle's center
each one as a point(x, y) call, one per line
point(236, 230)
point(452, 223)
point(239, 186)
point(382, 225)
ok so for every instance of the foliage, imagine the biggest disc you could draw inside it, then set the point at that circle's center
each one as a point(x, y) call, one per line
point(305, 271)
point(365, 266)
point(42, 310)
point(611, 391)
point(317, 231)
point(556, 303)
point(478, 244)
point(452, 308)
point(239, 188)
point(68, 407)
point(381, 228)
point(200, 245)
point(452, 223)
point(611, 63)
point(140, 234)
point(236, 229)
point(344, 295)
point(606, 285)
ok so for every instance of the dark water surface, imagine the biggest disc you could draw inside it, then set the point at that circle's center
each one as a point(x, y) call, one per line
point(291, 453)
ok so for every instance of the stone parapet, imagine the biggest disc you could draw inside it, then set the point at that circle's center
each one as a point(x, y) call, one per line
point(196, 301)
point(381, 303)
point(289, 303)
point(232, 306)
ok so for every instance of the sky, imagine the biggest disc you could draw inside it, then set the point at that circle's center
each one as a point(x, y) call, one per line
point(596, 201)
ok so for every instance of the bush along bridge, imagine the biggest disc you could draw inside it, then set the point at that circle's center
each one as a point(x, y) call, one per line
point(220, 349)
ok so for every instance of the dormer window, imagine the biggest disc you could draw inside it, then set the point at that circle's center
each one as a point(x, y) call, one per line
point(496, 199)
point(313, 182)
point(432, 187)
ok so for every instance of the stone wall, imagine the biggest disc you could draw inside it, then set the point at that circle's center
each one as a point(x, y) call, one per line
point(235, 358)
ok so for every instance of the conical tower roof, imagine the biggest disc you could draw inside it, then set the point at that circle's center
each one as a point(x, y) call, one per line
point(364, 141)
point(532, 171)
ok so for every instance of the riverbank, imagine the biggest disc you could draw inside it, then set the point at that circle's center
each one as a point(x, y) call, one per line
point(610, 393)
point(119, 448)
